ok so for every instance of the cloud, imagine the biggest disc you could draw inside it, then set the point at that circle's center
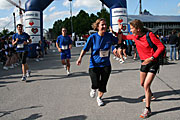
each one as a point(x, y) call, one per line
point(83, 3)
point(6, 22)
point(54, 16)
point(6, 5)
point(178, 5)
point(66, 3)
point(52, 8)
point(87, 3)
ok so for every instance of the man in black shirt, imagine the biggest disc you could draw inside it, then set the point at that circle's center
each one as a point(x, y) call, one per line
point(173, 39)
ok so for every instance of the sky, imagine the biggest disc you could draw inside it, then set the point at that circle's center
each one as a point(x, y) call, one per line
point(60, 9)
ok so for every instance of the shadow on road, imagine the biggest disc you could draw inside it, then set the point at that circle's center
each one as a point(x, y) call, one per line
point(4, 113)
point(33, 116)
point(79, 117)
point(58, 77)
point(166, 110)
point(158, 96)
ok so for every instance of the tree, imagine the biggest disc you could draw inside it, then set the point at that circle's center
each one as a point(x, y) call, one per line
point(81, 23)
point(104, 14)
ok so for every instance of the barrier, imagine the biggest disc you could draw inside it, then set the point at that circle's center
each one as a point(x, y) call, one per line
point(80, 43)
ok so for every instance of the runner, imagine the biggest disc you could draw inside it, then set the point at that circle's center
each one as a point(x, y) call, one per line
point(149, 65)
point(64, 44)
point(100, 66)
point(21, 41)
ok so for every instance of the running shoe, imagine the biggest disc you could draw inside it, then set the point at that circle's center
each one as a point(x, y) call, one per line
point(117, 58)
point(100, 102)
point(68, 72)
point(145, 114)
point(12, 66)
point(41, 59)
point(28, 73)
point(37, 60)
point(23, 78)
point(122, 62)
point(65, 67)
point(93, 93)
point(15, 65)
point(5, 68)
point(152, 98)
point(120, 59)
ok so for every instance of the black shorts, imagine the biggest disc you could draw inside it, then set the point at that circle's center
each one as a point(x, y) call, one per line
point(99, 77)
point(123, 46)
point(23, 56)
point(152, 67)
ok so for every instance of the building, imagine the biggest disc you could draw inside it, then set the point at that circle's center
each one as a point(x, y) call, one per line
point(161, 25)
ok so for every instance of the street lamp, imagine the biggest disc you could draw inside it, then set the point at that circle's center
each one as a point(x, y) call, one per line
point(14, 22)
point(71, 15)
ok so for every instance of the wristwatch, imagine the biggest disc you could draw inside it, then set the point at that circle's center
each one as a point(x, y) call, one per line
point(152, 58)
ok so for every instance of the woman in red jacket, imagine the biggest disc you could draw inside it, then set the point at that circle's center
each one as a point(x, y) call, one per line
point(149, 64)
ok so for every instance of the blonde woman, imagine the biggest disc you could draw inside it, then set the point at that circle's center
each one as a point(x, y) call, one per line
point(100, 66)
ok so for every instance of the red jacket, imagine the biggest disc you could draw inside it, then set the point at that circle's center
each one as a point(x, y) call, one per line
point(142, 45)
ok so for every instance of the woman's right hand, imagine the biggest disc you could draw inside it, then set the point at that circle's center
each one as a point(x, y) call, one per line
point(78, 62)
point(59, 49)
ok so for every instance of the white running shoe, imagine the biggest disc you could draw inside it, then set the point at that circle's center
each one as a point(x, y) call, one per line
point(37, 60)
point(15, 65)
point(68, 72)
point(122, 62)
point(41, 59)
point(5, 68)
point(28, 73)
point(12, 66)
point(65, 67)
point(93, 93)
point(117, 58)
point(23, 78)
point(100, 102)
point(125, 58)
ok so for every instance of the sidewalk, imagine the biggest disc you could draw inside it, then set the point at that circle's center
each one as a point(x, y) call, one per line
point(50, 95)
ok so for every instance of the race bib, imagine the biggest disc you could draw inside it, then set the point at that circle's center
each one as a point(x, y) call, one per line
point(104, 53)
point(64, 47)
point(20, 46)
point(10, 45)
point(38, 48)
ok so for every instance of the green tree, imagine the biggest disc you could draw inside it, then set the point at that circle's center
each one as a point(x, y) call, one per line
point(81, 23)
point(104, 14)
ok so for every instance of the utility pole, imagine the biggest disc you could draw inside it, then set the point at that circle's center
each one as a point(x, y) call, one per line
point(140, 7)
point(71, 15)
point(103, 6)
point(14, 22)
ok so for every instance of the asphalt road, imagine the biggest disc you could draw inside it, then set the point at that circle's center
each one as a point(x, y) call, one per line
point(52, 95)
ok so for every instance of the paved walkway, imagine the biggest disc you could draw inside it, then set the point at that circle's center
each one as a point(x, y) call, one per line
point(50, 95)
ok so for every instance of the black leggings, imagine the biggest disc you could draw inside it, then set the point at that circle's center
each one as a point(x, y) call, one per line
point(99, 77)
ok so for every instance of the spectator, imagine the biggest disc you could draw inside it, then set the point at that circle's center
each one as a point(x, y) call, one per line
point(173, 39)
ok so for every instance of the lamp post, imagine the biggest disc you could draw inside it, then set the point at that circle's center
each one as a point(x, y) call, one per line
point(71, 15)
point(14, 22)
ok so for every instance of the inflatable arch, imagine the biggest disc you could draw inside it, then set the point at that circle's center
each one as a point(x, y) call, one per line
point(34, 17)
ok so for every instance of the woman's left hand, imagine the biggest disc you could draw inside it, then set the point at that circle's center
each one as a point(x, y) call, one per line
point(147, 61)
